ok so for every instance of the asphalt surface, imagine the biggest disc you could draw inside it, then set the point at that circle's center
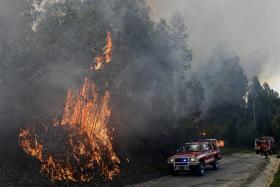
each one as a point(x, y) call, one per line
point(236, 170)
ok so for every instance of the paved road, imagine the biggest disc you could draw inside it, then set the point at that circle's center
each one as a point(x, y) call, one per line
point(235, 170)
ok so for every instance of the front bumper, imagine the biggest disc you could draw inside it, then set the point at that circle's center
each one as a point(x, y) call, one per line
point(183, 166)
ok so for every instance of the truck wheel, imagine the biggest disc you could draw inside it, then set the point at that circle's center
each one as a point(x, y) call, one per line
point(257, 151)
point(274, 151)
point(216, 164)
point(200, 169)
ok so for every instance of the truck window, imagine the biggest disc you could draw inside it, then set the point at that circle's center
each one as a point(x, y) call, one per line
point(205, 147)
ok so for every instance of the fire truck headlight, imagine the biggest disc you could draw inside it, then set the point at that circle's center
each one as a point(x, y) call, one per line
point(170, 160)
point(193, 159)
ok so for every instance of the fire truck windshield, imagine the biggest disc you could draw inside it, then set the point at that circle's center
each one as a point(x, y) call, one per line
point(191, 148)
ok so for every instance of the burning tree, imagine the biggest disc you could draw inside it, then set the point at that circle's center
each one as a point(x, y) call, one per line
point(77, 145)
point(147, 80)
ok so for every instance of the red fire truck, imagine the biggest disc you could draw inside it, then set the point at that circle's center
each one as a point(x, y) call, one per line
point(194, 156)
point(265, 145)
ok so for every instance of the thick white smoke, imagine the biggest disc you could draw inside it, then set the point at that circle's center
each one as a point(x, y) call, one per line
point(251, 28)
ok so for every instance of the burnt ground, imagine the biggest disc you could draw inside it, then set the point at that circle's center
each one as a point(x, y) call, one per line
point(17, 168)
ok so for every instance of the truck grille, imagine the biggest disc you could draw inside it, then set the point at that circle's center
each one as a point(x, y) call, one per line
point(182, 160)
point(181, 164)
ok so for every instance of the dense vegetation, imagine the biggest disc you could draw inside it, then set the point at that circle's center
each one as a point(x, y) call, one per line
point(158, 102)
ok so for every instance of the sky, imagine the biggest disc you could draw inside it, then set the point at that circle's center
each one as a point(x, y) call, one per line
point(249, 27)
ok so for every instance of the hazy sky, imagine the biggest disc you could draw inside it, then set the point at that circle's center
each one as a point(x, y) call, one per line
point(250, 27)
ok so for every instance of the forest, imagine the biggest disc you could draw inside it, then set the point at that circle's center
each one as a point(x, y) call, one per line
point(157, 100)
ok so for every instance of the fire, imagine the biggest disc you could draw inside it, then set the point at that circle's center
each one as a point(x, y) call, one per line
point(108, 49)
point(98, 63)
point(106, 56)
point(221, 143)
point(32, 147)
point(77, 146)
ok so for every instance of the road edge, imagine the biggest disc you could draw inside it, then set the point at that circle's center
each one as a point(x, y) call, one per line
point(266, 177)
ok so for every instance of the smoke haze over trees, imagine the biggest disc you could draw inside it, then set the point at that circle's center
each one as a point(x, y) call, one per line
point(158, 100)
point(249, 27)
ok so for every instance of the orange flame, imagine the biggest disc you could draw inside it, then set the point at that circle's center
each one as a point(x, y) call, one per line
point(106, 55)
point(221, 143)
point(32, 147)
point(79, 140)
point(108, 49)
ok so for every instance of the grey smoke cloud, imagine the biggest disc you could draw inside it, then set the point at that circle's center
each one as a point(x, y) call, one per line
point(250, 27)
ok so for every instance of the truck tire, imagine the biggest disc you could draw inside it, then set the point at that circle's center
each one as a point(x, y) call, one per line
point(257, 152)
point(216, 164)
point(200, 170)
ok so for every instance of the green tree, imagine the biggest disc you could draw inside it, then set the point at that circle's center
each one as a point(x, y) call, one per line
point(276, 126)
point(263, 104)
